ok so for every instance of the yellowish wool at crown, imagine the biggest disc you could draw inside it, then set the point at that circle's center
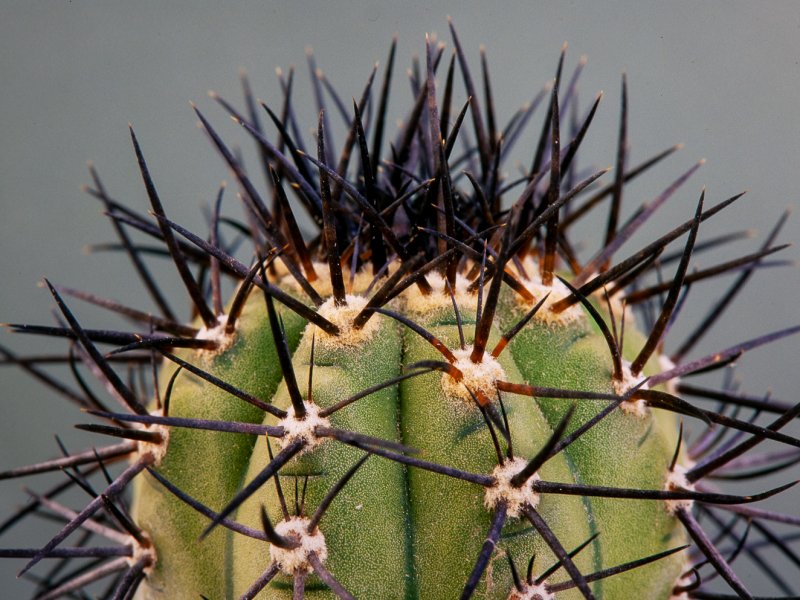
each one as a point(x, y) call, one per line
point(343, 317)
point(532, 281)
point(440, 296)
point(363, 278)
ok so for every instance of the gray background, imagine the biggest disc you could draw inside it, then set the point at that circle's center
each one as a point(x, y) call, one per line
point(721, 77)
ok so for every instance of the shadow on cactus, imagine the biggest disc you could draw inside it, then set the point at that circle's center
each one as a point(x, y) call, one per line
point(434, 394)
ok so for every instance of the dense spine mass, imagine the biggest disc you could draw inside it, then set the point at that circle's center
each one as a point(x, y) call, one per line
point(433, 395)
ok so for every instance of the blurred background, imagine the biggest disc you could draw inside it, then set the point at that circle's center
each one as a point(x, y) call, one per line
point(721, 77)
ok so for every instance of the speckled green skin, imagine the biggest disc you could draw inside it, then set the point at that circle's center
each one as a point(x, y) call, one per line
point(621, 451)
point(206, 465)
point(450, 521)
point(364, 527)
point(406, 533)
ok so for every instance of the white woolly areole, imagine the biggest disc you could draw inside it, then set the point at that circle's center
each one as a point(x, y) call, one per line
point(302, 429)
point(292, 560)
point(637, 408)
point(515, 498)
point(557, 290)
point(479, 377)
point(143, 551)
point(440, 296)
point(532, 592)
point(155, 450)
point(676, 482)
point(342, 317)
point(216, 334)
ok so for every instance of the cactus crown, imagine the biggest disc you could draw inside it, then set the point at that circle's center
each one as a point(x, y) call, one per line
point(427, 392)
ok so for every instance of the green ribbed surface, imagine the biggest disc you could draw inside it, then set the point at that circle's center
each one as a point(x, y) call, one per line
point(406, 533)
point(207, 465)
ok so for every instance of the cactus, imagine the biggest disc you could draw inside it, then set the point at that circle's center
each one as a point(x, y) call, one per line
point(432, 395)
